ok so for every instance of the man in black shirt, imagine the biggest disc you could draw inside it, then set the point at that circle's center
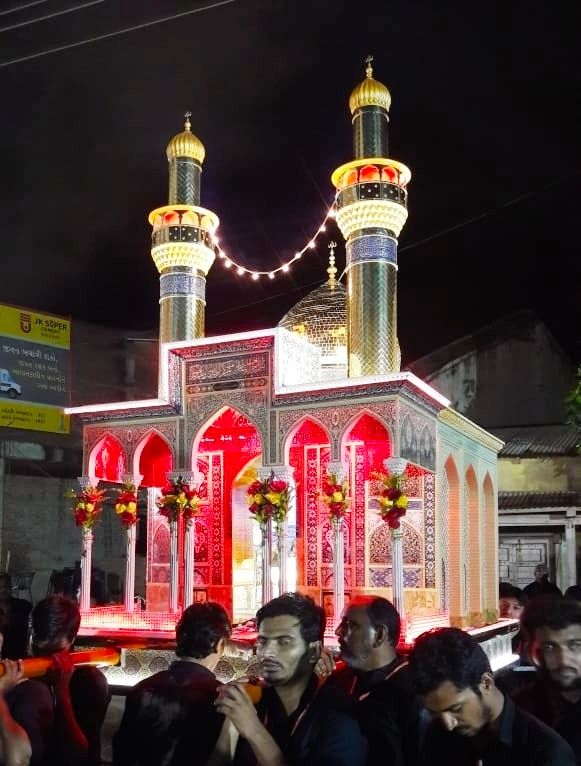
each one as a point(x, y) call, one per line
point(377, 678)
point(298, 719)
point(14, 616)
point(476, 725)
point(553, 632)
point(170, 718)
point(541, 585)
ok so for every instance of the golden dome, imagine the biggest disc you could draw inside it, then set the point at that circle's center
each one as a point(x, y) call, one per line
point(370, 92)
point(186, 144)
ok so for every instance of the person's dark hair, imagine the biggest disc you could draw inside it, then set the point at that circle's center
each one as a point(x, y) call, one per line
point(573, 593)
point(549, 612)
point(381, 612)
point(447, 654)
point(53, 619)
point(513, 592)
point(311, 617)
point(505, 589)
point(200, 628)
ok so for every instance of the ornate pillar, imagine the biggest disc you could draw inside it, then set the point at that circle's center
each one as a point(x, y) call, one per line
point(131, 537)
point(174, 569)
point(282, 473)
point(339, 470)
point(86, 559)
point(86, 551)
point(396, 466)
point(193, 479)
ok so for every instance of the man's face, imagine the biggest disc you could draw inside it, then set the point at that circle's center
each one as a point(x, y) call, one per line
point(459, 710)
point(541, 572)
point(559, 655)
point(357, 637)
point(510, 607)
point(283, 652)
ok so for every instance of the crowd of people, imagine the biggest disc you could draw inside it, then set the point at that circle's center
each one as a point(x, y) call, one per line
point(367, 705)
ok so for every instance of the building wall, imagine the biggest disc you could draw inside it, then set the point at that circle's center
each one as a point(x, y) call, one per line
point(518, 380)
point(555, 474)
point(40, 534)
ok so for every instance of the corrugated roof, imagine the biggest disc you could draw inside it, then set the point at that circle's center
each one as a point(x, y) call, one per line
point(538, 441)
point(528, 500)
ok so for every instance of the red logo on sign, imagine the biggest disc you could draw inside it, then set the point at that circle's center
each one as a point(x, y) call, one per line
point(25, 322)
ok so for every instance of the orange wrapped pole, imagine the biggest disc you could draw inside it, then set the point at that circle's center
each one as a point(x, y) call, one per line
point(34, 667)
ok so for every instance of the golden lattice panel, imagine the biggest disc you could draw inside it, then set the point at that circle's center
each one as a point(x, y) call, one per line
point(364, 214)
point(194, 255)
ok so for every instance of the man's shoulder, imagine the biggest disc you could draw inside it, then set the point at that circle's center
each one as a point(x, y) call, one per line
point(541, 739)
point(30, 694)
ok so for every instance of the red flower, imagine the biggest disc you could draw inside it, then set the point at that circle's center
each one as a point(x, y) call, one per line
point(254, 488)
point(128, 518)
point(277, 485)
point(393, 493)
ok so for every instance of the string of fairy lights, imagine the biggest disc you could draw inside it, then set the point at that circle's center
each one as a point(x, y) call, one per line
point(255, 274)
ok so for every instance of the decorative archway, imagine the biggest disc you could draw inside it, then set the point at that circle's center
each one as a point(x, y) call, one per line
point(472, 543)
point(452, 570)
point(308, 451)
point(366, 444)
point(107, 459)
point(490, 536)
point(227, 449)
point(153, 458)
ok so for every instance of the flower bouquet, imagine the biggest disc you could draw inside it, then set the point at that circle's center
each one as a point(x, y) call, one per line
point(392, 500)
point(335, 495)
point(178, 499)
point(126, 505)
point(88, 506)
point(268, 499)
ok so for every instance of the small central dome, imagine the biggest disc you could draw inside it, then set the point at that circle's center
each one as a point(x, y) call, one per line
point(321, 318)
point(370, 92)
point(186, 144)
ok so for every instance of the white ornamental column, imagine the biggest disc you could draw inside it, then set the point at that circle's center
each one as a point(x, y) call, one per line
point(283, 473)
point(131, 537)
point(86, 551)
point(86, 559)
point(266, 531)
point(338, 469)
point(396, 466)
point(193, 479)
point(174, 569)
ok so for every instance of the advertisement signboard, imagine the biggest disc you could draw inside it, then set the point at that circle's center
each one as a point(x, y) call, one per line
point(34, 370)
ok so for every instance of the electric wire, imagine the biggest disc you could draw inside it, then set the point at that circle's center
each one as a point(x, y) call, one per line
point(18, 8)
point(116, 33)
point(52, 15)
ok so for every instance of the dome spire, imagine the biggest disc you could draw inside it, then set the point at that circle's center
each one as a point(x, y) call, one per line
point(332, 269)
point(369, 68)
point(187, 123)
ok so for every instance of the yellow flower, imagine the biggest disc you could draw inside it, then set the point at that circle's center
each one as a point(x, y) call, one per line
point(132, 507)
point(273, 498)
point(402, 501)
point(258, 499)
point(337, 497)
point(120, 508)
point(89, 507)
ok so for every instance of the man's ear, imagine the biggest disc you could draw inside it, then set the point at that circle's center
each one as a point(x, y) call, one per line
point(486, 682)
point(380, 635)
point(314, 651)
point(220, 646)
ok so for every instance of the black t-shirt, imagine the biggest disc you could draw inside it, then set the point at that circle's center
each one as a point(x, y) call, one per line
point(322, 731)
point(170, 718)
point(15, 628)
point(387, 709)
point(517, 739)
point(543, 701)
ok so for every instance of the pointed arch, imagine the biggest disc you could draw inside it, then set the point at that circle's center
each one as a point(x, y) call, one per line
point(107, 459)
point(299, 427)
point(452, 534)
point(364, 413)
point(153, 458)
point(490, 547)
point(212, 421)
point(472, 542)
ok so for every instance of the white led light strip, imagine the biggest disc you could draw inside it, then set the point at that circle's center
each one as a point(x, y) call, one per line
point(242, 271)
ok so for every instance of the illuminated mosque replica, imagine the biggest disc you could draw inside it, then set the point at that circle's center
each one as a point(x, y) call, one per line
point(321, 391)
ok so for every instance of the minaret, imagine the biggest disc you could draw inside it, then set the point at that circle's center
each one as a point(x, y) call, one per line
point(181, 242)
point(371, 212)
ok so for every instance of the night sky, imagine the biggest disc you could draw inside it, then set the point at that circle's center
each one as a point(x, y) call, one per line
point(486, 108)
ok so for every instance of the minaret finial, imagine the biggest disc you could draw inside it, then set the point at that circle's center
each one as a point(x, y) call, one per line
point(332, 270)
point(187, 124)
point(369, 68)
